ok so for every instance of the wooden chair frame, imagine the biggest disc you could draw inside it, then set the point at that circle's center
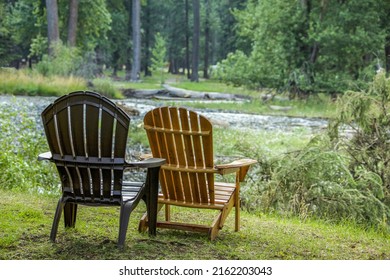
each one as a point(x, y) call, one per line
point(184, 138)
point(87, 135)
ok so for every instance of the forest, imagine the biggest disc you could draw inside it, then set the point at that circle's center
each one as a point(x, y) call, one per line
point(309, 78)
point(304, 46)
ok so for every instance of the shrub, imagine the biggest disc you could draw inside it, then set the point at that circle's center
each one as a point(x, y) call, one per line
point(67, 61)
point(158, 59)
point(20, 143)
point(63, 62)
point(106, 88)
point(317, 182)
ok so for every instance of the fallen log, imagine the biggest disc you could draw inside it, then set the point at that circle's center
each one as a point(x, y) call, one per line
point(170, 92)
point(184, 93)
point(280, 108)
point(143, 93)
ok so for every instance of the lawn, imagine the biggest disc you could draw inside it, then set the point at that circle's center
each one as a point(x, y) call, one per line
point(26, 222)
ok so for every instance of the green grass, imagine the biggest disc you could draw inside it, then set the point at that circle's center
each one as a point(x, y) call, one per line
point(26, 223)
point(320, 105)
point(235, 142)
point(238, 143)
point(315, 107)
point(24, 82)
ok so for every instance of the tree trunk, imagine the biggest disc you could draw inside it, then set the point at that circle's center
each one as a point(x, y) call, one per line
point(387, 54)
point(72, 24)
point(195, 41)
point(129, 9)
point(187, 42)
point(52, 23)
point(147, 39)
point(316, 47)
point(136, 26)
point(206, 41)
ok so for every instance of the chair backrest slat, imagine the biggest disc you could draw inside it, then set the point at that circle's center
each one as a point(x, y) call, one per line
point(167, 141)
point(87, 135)
point(180, 158)
point(184, 139)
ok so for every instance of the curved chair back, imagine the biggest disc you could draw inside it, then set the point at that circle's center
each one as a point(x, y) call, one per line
point(87, 135)
point(184, 139)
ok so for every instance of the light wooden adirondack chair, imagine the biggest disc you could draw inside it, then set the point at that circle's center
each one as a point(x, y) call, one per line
point(185, 139)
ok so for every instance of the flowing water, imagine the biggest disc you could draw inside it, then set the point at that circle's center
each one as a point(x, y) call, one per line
point(235, 120)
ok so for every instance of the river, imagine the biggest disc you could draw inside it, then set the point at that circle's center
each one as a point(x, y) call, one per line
point(235, 120)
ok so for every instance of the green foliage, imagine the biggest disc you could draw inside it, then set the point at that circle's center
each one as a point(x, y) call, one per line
point(106, 88)
point(38, 46)
point(232, 70)
point(21, 141)
point(66, 61)
point(94, 23)
point(24, 20)
point(367, 115)
point(330, 46)
point(159, 53)
point(343, 175)
point(6, 41)
point(114, 49)
point(317, 182)
point(63, 62)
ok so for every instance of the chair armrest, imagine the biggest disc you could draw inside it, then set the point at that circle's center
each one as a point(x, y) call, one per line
point(241, 166)
point(45, 156)
point(147, 163)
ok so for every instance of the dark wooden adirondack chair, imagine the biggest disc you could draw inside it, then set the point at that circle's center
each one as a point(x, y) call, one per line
point(185, 139)
point(87, 135)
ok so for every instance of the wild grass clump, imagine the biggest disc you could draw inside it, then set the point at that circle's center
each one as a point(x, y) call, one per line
point(106, 88)
point(19, 82)
point(20, 143)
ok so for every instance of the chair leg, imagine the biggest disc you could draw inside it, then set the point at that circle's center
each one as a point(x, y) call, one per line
point(237, 215)
point(152, 197)
point(56, 220)
point(124, 218)
point(237, 200)
point(144, 222)
point(70, 213)
point(215, 227)
point(167, 212)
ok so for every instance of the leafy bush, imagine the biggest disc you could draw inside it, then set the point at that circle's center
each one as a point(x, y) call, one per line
point(66, 61)
point(342, 175)
point(106, 88)
point(159, 53)
point(20, 143)
point(317, 182)
point(63, 62)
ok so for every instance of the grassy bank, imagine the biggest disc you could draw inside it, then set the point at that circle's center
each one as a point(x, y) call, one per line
point(29, 82)
point(26, 222)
